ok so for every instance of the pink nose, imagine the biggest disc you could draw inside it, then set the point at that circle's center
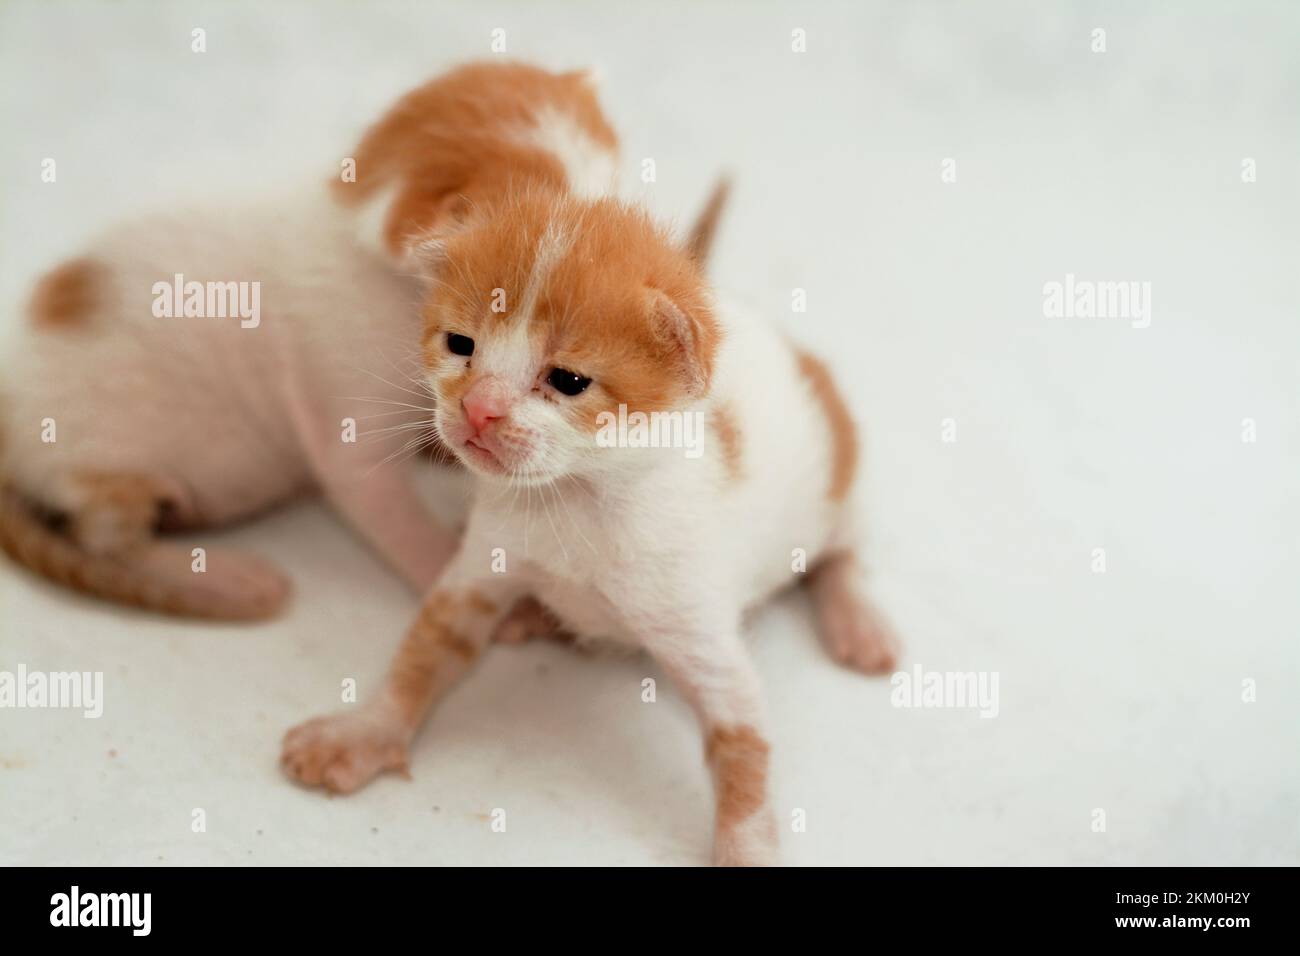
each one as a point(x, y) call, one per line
point(486, 401)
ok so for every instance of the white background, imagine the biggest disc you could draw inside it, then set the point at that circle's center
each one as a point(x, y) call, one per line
point(1120, 691)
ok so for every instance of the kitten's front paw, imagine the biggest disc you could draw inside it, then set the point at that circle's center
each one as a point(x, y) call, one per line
point(342, 752)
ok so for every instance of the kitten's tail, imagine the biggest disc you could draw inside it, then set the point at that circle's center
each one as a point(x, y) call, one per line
point(153, 575)
point(699, 242)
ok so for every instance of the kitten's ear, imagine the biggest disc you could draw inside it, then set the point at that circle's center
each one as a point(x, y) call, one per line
point(592, 78)
point(420, 225)
point(691, 334)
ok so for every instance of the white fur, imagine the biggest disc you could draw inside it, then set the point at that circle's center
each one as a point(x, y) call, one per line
point(591, 169)
point(551, 249)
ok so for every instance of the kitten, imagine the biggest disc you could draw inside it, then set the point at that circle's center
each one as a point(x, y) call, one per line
point(649, 546)
point(118, 420)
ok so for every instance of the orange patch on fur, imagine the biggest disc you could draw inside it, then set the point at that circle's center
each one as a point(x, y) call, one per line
point(739, 759)
point(68, 295)
point(844, 438)
point(727, 431)
point(115, 511)
point(434, 643)
point(459, 141)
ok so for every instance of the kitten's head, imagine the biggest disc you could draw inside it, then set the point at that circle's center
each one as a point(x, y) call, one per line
point(547, 311)
point(463, 139)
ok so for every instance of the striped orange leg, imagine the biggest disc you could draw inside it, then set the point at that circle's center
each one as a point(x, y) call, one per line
point(342, 752)
point(718, 678)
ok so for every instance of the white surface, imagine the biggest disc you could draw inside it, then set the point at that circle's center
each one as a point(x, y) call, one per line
point(1119, 691)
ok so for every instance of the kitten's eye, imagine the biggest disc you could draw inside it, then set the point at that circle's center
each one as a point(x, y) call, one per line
point(566, 382)
point(460, 344)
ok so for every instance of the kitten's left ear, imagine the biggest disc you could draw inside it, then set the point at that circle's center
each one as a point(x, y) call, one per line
point(419, 227)
point(691, 334)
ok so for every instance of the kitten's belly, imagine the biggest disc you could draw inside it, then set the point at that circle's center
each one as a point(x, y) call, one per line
point(584, 610)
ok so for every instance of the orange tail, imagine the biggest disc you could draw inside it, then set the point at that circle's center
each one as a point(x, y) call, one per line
point(699, 243)
point(156, 575)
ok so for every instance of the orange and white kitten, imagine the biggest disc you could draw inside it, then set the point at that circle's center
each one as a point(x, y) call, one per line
point(661, 547)
point(122, 415)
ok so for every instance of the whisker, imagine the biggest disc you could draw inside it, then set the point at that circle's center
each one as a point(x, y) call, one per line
point(404, 427)
point(384, 401)
point(573, 522)
point(396, 411)
point(425, 393)
point(541, 493)
point(528, 508)
point(413, 447)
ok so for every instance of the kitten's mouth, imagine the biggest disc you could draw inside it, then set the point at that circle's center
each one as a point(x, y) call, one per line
point(480, 455)
point(476, 454)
